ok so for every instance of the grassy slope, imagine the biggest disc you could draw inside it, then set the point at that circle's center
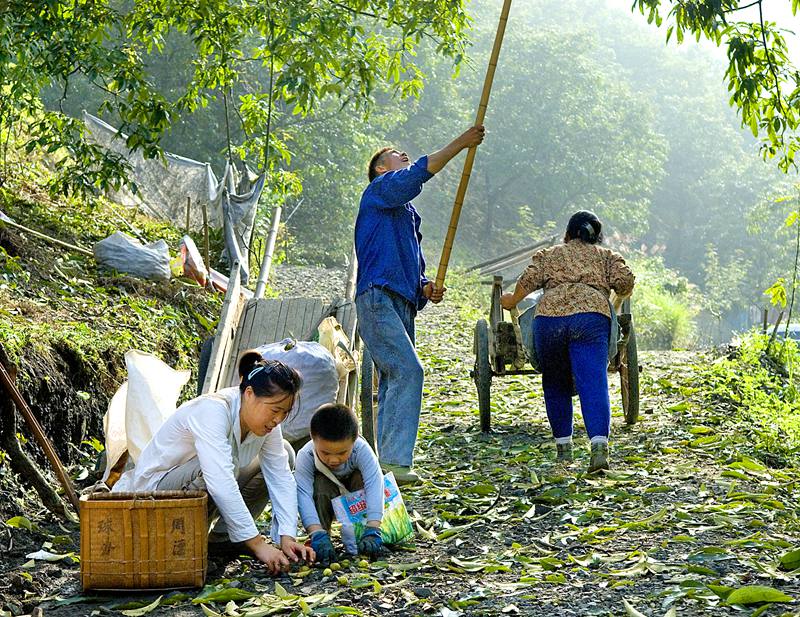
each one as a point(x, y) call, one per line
point(66, 323)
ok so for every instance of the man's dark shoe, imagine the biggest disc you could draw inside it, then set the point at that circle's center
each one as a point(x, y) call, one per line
point(564, 452)
point(599, 458)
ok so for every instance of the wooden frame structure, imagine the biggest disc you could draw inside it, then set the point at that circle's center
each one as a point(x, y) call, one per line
point(246, 323)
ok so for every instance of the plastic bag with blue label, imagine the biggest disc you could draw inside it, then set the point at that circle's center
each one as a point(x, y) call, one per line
point(351, 511)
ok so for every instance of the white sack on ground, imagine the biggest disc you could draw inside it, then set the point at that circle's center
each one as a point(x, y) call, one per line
point(126, 254)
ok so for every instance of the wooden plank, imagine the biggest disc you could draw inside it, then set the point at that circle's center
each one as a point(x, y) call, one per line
point(238, 343)
point(315, 311)
point(296, 322)
point(315, 314)
point(263, 328)
point(229, 319)
point(346, 316)
point(293, 317)
point(246, 330)
point(278, 331)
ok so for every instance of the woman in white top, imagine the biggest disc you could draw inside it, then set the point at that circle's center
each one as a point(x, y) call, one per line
point(230, 444)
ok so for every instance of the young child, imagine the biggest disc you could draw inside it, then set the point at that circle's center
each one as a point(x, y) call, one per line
point(337, 451)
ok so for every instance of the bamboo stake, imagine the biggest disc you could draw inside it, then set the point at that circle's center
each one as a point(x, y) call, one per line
point(462, 186)
point(206, 253)
point(41, 438)
point(266, 264)
point(38, 234)
point(352, 271)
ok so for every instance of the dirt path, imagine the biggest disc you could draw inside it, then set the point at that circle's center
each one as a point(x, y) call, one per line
point(681, 520)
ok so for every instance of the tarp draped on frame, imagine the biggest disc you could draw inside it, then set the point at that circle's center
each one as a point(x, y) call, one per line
point(164, 187)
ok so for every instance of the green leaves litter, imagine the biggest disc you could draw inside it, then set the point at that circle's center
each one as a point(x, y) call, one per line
point(757, 594)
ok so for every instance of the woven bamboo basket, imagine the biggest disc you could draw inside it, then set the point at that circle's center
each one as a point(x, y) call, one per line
point(156, 540)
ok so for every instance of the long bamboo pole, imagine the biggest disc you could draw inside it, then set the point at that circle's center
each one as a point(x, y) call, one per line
point(40, 436)
point(39, 234)
point(462, 186)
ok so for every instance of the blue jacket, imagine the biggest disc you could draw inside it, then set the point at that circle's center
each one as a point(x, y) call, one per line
point(387, 234)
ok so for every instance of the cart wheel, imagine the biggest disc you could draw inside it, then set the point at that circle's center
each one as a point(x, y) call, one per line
point(365, 399)
point(629, 377)
point(482, 373)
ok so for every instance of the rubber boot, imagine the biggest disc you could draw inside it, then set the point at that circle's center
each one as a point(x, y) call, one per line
point(599, 458)
point(402, 475)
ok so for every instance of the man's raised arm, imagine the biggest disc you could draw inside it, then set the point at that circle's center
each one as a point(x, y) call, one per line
point(469, 138)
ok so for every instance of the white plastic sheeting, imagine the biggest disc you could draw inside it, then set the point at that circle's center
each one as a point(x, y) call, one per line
point(165, 187)
point(320, 380)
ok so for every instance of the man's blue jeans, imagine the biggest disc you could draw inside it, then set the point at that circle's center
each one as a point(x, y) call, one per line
point(574, 347)
point(386, 325)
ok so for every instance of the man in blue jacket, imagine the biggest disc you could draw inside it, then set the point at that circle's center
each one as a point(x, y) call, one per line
point(391, 287)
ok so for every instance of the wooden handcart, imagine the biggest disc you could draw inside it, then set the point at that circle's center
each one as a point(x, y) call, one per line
point(246, 323)
point(497, 353)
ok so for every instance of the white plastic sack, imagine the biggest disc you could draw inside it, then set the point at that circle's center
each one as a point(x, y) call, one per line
point(320, 380)
point(126, 254)
point(140, 406)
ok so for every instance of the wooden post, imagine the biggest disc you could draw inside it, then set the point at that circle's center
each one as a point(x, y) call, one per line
point(775, 331)
point(462, 186)
point(41, 438)
point(350, 283)
point(188, 212)
point(206, 254)
point(765, 320)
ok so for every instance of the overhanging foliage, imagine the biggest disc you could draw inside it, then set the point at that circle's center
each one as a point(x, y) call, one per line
point(763, 83)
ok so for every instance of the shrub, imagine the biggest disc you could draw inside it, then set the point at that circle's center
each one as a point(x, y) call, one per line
point(664, 305)
point(761, 387)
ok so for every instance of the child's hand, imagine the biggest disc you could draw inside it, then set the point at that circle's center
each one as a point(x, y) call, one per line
point(371, 543)
point(321, 543)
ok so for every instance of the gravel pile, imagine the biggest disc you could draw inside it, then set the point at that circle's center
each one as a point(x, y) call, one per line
point(308, 282)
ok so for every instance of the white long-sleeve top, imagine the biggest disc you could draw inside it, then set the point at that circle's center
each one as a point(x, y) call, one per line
point(209, 428)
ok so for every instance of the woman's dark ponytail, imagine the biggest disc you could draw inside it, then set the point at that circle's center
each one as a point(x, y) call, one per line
point(267, 377)
point(585, 226)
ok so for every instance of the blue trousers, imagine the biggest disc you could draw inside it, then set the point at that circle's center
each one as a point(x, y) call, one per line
point(386, 325)
point(575, 347)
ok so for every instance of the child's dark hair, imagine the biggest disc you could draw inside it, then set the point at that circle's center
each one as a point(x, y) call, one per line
point(372, 173)
point(334, 422)
point(585, 226)
point(267, 377)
